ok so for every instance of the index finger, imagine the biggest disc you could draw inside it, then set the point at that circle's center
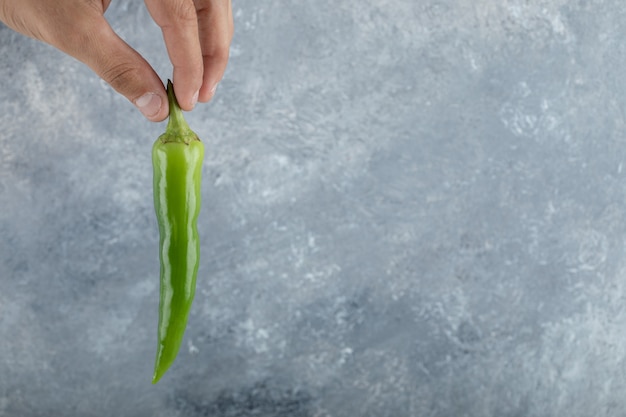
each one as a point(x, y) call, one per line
point(179, 24)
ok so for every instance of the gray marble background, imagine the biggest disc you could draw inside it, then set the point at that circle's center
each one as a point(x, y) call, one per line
point(410, 208)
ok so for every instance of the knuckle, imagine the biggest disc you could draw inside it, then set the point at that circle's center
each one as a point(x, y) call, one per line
point(203, 13)
point(219, 49)
point(221, 52)
point(120, 75)
point(182, 11)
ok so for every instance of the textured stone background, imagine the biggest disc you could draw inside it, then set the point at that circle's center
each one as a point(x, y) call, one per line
point(411, 208)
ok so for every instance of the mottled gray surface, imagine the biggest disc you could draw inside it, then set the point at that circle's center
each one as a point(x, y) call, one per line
point(411, 208)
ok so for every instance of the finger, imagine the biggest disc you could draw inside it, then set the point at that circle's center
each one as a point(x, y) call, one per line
point(179, 24)
point(121, 67)
point(215, 26)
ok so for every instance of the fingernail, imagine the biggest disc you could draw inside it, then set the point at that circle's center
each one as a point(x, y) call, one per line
point(214, 88)
point(149, 104)
point(194, 99)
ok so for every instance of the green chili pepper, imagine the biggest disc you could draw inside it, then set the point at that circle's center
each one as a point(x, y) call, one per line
point(177, 161)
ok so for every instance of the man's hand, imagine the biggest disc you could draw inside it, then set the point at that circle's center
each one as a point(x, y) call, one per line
point(197, 35)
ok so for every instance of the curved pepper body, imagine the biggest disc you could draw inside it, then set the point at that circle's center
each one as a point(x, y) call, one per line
point(177, 161)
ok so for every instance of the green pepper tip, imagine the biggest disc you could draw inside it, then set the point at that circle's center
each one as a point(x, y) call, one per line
point(156, 377)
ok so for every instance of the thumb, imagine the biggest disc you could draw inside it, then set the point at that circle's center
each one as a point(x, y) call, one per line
point(124, 69)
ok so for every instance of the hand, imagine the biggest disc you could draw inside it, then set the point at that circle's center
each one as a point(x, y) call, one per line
point(197, 35)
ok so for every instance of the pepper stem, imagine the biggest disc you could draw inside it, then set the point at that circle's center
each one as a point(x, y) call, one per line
point(177, 119)
point(177, 129)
